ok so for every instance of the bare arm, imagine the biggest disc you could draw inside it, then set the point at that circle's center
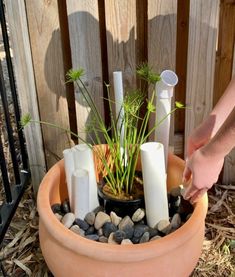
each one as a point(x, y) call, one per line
point(208, 128)
point(205, 164)
point(224, 140)
point(224, 106)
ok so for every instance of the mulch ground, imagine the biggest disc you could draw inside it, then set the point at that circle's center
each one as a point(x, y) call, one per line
point(21, 254)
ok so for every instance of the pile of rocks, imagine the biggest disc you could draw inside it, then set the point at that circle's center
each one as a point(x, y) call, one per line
point(110, 228)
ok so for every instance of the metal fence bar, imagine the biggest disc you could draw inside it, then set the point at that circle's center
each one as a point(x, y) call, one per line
point(9, 128)
point(5, 179)
point(12, 85)
point(7, 210)
point(13, 192)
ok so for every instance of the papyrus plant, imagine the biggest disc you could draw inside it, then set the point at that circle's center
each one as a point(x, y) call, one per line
point(123, 155)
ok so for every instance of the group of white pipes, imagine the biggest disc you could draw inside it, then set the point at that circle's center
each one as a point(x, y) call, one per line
point(81, 180)
point(79, 163)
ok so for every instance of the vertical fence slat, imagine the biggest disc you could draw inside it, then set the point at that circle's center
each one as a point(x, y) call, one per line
point(67, 61)
point(203, 25)
point(104, 55)
point(229, 52)
point(162, 40)
point(27, 93)
point(181, 70)
point(86, 53)
point(121, 39)
point(142, 46)
point(121, 35)
point(162, 34)
point(233, 61)
point(228, 173)
point(224, 55)
point(224, 67)
point(141, 31)
point(46, 46)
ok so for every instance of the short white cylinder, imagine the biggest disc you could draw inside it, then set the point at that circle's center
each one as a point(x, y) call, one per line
point(154, 178)
point(83, 157)
point(69, 168)
point(80, 192)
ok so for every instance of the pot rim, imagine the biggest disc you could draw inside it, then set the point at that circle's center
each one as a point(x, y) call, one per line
point(108, 252)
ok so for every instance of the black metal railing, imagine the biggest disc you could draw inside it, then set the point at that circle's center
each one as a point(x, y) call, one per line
point(13, 190)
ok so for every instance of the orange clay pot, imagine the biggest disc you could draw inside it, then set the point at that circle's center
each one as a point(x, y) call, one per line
point(68, 254)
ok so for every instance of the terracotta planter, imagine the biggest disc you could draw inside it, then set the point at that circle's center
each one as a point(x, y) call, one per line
point(68, 254)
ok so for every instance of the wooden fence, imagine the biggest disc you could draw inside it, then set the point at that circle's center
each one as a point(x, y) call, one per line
point(194, 38)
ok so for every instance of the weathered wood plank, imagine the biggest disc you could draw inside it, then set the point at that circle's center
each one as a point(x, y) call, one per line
point(162, 41)
point(121, 39)
point(46, 46)
point(203, 25)
point(83, 18)
point(67, 61)
point(104, 54)
point(178, 144)
point(25, 81)
point(121, 34)
point(142, 45)
point(228, 176)
point(181, 65)
point(141, 31)
point(229, 163)
point(162, 34)
point(224, 55)
point(233, 61)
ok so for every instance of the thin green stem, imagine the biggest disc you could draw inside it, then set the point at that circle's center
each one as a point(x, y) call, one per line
point(158, 123)
point(61, 128)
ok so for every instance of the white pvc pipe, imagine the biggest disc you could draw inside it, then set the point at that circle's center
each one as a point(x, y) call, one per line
point(164, 92)
point(83, 158)
point(118, 93)
point(69, 168)
point(80, 192)
point(154, 178)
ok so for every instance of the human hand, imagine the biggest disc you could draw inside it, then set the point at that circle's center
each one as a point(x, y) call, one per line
point(202, 171)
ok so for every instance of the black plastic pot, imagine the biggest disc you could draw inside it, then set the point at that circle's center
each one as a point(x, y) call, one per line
point(120, 207)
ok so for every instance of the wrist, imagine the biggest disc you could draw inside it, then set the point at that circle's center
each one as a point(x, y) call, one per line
point(211, 150)
point(205, 131)
point(223, 141)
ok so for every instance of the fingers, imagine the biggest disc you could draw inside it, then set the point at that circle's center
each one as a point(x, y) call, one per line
point(193, 194)
point(189, 192)
point(197, 195)
point(186, 174)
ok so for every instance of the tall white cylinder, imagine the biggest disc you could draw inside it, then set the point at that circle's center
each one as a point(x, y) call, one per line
point(164, 93)
point(69, 168)
point(80, 192)
point(154, 178)
point(118, 93)
point(83, 158)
